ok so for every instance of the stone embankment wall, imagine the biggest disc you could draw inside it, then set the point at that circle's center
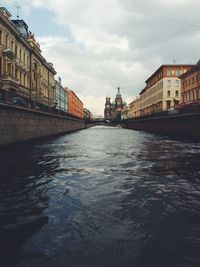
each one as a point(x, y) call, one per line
point(182, 125)
point(20, 124)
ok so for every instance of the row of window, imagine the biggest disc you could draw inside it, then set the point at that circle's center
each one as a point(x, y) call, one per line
point(169, 93)
point(190, 81)
point(20, 53)
point(62, 98)
point(155, 78)
point(159, 86)
point(152, 90)
point(24, 79)
point(6, 40)
point(190, 96)
point(170, 72)
point(9, 69)
point(45, 91)
point(175, 72)
point(151, 108)
point(155, 98)
point(151, 100)
point(44, 73)
point(169, 83)
point(22, 56)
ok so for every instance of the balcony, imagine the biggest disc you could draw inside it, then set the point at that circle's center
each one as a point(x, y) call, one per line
point(10, 78)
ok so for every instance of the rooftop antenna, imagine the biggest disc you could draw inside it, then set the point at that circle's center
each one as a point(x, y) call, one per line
point(18, 8)
point(174, 61)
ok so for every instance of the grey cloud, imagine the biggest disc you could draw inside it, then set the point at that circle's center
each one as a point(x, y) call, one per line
point(120, 43)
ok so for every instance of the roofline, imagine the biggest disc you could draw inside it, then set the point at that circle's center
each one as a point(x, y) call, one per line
point(169, 65)
point(143, 90)
point(195, 67)
point(25, 42)
point(72, 91)
point(4, 8)
point(135, 99)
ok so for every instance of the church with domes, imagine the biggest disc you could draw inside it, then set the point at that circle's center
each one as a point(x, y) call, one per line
point(113, 109)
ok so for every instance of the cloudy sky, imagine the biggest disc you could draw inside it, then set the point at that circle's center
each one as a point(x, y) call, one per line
point(97, 45)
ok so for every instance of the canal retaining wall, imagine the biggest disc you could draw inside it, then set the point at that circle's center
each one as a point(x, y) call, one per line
point(20, 124)
point(182, 125)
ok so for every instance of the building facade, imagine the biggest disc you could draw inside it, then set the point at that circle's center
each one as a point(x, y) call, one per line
point(87, 114)
point(162, 90)
point(124, 112)
point(112, 111)
point(134, 108)
point(190, 85)
point(24, 72)
point(61, 97)
point(75, 105)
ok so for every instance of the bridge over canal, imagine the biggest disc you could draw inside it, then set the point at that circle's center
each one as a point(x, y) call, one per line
point(104, 122)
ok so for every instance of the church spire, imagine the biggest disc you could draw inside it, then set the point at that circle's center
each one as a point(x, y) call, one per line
point(118, 92)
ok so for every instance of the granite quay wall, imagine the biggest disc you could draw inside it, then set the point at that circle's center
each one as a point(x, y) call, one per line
point(182, 125)
point(20, 124)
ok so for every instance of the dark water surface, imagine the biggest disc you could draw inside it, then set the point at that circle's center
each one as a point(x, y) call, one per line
point(100, 197)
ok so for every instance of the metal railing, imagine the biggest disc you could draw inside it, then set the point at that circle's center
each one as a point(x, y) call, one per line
point(16, 100)
point(192, 108)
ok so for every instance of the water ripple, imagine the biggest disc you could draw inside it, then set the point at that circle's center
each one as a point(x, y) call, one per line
point(101, 197)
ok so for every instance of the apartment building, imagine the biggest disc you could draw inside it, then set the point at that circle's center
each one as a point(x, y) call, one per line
point(190, 85)
point(75, 105)
point(124, 112)
point(134, 108)
point(162, 90)
point(24, 72)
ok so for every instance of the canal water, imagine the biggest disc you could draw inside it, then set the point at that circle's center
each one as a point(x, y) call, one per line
point(100, 197)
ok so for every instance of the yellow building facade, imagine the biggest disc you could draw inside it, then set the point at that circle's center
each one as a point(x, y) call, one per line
point(162, 91)
point(134, 108)
point(24, 72)
point(124, 112)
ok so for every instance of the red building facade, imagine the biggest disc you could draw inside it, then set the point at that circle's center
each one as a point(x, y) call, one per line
point(190, 85)
point(75, 105)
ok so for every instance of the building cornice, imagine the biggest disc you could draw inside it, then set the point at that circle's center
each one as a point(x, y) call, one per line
point(72, 92)
point(168, 66)
point(195, 68)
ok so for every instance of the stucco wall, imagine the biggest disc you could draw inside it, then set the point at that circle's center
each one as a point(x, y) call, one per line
point(19, 124)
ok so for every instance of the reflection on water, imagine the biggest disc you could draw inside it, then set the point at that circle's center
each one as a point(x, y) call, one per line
point(101, 197)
